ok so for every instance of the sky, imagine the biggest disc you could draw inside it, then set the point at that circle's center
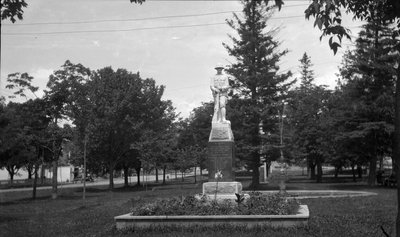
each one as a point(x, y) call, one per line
point(177, 43)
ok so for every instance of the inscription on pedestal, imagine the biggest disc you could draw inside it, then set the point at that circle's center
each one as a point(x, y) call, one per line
point(221, 157)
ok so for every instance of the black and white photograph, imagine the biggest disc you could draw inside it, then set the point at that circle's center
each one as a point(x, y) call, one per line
point(200, 118)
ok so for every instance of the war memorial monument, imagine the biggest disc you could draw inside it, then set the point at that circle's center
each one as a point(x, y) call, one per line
point(221, 146)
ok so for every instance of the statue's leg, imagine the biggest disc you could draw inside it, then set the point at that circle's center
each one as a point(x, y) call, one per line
point(222, 104)
point(216, 108)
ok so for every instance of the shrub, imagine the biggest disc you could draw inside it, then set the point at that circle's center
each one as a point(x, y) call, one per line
point(257, 204)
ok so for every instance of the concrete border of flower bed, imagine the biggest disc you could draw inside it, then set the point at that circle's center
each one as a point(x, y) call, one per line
point(330, 193)
point(249, 221)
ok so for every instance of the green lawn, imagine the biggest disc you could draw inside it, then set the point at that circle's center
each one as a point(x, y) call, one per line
point(358, 216)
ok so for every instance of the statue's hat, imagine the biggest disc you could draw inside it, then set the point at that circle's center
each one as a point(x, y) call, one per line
point(219, 65)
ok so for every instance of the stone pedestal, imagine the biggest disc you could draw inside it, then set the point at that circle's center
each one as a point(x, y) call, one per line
point(221, 152)
point(221, 191)
point(221, 157)
point(221, 132)
point(223, 188)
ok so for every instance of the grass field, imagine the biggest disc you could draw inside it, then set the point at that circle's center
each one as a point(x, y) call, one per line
point(67, 216)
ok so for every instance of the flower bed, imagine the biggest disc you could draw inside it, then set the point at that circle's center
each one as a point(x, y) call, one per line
point(256, 204)
point(258, 210)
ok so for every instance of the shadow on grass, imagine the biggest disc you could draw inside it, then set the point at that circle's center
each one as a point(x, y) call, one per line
point(25, 200)
point(61, 196)
point(10, 218)
point(304, 183)
point(304, 179)
point(159, 186)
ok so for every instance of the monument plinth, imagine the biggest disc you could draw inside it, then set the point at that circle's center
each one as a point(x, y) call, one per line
point(221, 152)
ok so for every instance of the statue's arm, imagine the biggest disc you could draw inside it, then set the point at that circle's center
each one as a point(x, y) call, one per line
point(226, 86)
point(212, 87)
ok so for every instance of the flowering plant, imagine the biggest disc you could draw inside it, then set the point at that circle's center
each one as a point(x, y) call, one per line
point(218, 176)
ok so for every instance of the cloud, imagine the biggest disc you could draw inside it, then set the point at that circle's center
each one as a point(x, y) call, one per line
point(184, 108)
point(41, 77)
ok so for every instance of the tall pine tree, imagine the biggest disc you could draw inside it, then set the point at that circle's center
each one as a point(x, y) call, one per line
point(258, 87)
point(307, 74)
point(368, 74)
point(307, 113)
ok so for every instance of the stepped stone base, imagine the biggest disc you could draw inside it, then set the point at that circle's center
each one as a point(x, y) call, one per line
point(224, 190)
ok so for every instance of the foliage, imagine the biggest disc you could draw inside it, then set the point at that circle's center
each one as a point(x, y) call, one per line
point(196, 129)
point(308, 106)
point(367, 81)
point(193, 134)
point(58, 97)
point(11, 9)
point(22, 82)
point(118, 112)
point(257, 204)
point(21, 136)
point(328, 16)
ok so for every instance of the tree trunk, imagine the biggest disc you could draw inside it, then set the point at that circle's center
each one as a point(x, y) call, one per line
point(156, 174)
point(42, 174)
point(359, 171)
point(54, 180)
point(255, 179)
point(337, 169)
point(255, 164)
point(111, 172)
point(35, 169)
point(29, 169)
point(372, 171)
point(11, 178)
point(182, 176)
point(195, 180)
point(11, 173)
point(396, 145)
point(380, 162)
point(164, 169)
point(312, 171)
point(353, 172)
point(138, 176)
point(319, 170)
point(126, 176)
point(176, 174)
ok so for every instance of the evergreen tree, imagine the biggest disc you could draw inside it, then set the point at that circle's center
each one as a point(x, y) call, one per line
point(307, 117)
point(258, 87)
point(307, 75)
point(368, 74)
